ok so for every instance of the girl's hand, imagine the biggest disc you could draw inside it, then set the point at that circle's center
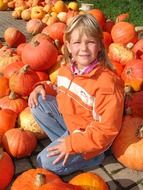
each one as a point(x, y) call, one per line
point(33, 97)
point(59, 150)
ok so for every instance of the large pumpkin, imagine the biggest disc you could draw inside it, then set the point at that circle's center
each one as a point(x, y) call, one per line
point(34, 178)
point(133, 74)
point(40, 54)
point(128, 145)
point(19, 143)
point(89, 181)
point(6, 169)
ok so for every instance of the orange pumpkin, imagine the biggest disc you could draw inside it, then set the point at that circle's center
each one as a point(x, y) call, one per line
point(14, 37)
point(13, 102)
point(19, 143)
point(128, 145)
point(34, 178)
point(6, 169)
point(132, 74)
point(99, 15)
point(7, 120)
point(23, 80)
point(123, 32)
point(40, 54)
point(89, 181)
point(4, 86)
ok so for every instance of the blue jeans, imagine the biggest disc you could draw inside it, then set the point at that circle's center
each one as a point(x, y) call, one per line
point(51, 121)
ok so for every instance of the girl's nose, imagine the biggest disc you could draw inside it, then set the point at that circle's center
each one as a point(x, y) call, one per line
point(83, 46)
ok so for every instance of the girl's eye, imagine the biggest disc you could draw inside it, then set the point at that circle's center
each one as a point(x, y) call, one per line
point(76, 42)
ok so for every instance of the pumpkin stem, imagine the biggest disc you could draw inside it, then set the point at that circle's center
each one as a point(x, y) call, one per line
point(140, 131)
point(35, 43)
point(12, 95)
point(25, 68)
point(40, 179)
point(128, 89)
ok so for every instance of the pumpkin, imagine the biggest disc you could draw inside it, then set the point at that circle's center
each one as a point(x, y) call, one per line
point(34, 26)
point(56, 31)
point(138, 49)
point(108, 25)
point(40, 54)
point(6, 59)
point(26, 14)
point(41, 36)
point(60, 6)
point(6, 169)
point(19, 143)
point(12, 68)
point(89, 181)
point(4, 86)
point(14, 37)
point(107, 39)
point(132, 74)
point(122, 17)
point(13, 102)
point(26, 121)
point(134, 104)
point(120, 53)
point(99, 15)
point(128, 145)
point(7, 120)
point(20, 48)
point(118, 67)
point(123, 32)
point(34, 178)
point(42, 75)
point(23, 80)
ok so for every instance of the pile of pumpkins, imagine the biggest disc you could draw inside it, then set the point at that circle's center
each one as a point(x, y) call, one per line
point(23, 64)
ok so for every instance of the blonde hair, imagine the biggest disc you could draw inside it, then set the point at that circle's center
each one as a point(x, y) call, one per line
point(87, 24)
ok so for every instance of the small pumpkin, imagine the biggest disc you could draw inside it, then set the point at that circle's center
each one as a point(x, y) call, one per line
point(6, 169)
point(13, 37)
point(128, 145)
point(132, 74)
point(89, 181)
point(4, 86)
point(23, 80)
point(13, 102)
point(19, 143)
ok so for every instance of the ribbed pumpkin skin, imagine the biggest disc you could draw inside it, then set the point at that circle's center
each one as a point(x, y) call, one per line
point(40, 54)
point(6, 170)
point(89, 181)
point(26, 181)
point(19, 143)
point(127, 147)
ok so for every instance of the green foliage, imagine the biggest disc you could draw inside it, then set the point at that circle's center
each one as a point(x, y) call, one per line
point(112, 8)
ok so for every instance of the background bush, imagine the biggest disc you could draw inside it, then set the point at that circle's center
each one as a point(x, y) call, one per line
point(112, 8)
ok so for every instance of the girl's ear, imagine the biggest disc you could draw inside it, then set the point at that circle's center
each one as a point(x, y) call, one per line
point(68, 46)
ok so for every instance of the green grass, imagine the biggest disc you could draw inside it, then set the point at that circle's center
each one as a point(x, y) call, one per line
point(112, 8)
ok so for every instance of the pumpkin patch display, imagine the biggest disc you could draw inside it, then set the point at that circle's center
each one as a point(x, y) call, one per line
point(40, 54)
point(19, 143)
point(6, 169)
point(128, 145)
point(89, 181)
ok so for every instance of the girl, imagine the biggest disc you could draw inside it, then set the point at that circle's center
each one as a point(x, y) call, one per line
point(85, 116)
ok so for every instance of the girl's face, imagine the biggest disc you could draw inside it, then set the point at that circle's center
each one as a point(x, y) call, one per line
point(84, 49)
